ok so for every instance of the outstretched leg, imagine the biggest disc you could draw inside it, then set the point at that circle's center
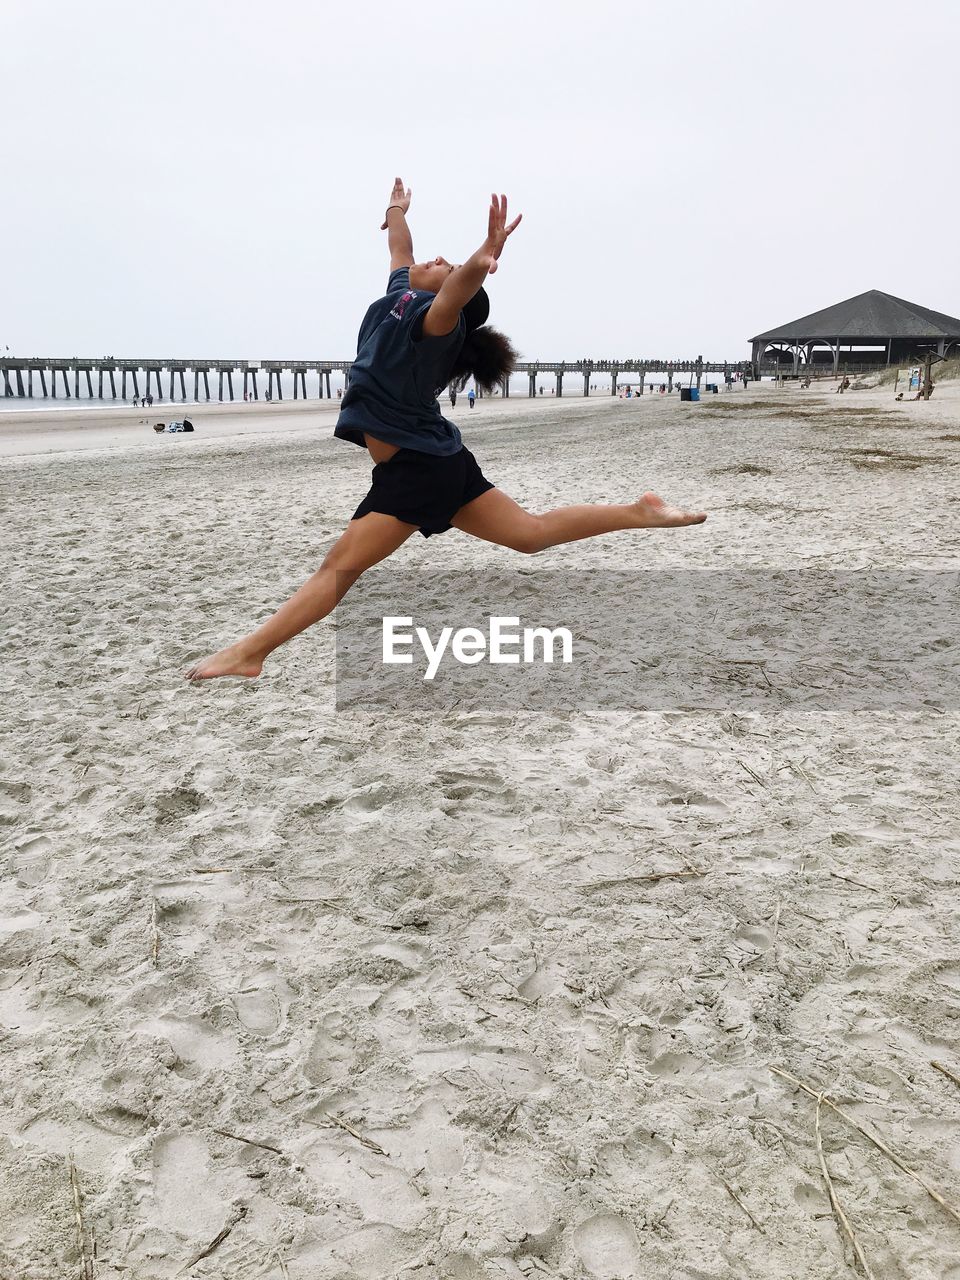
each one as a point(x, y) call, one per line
point(497, 518)
point(364, 543)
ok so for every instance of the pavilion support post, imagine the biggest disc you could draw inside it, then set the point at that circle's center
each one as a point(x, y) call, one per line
point(889, 350)
point(326, 380)
point(296, 384)
point(20, 383)
point(586, 384)
point(66, 384)
point(835, 347)
point(531, 386)
point(89, 384)
point(206, 384)
point(7, 389)
point(927, 386)
point(613, 382)
point(76, 383)
point(220, 392)
point(100, 384)
point(559, 385)
point(245, 377)
point(113, 384)
point(136, 389)
point(171, 386)
point(43, 382)
point(183, 389)
point(279, 388)
point(669, 379)
point(123, 385)
point(196, 385)
point(253, 375)
point(230, 383)
point(30, 383)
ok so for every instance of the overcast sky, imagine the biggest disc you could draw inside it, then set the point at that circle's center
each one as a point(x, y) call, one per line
point(191, 178)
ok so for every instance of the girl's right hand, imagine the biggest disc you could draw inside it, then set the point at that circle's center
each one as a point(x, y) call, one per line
point(399, 197)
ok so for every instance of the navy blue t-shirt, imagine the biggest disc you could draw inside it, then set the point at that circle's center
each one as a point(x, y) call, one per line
point(396, 376)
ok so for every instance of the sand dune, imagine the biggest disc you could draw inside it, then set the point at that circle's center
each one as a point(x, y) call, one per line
point(330, 995)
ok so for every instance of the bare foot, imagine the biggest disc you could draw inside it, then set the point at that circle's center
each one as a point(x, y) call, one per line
point(654, 513)
point(235, 660)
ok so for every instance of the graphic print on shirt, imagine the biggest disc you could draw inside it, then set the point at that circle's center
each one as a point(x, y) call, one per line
point(398, 310)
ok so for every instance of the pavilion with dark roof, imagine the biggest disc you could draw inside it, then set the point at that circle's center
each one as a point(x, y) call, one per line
point(870, 330)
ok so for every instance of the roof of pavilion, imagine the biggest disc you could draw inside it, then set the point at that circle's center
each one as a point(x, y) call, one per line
point(869, 315)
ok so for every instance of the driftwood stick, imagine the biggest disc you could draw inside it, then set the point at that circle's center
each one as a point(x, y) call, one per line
point(645, 879)
point(347, 1128)
point(251, 1142)
point(218, 1239)
point(834, 1201)
point(86, 1261)
point(737, 1199)
point(946, 1071)
point(755, 776)
point(859, 883)
point(877, 1142)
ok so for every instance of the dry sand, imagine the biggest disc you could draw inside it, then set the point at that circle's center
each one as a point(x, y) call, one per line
point(326, 996)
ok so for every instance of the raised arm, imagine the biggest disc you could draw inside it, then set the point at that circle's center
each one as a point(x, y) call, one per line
point(399, 239)
point(462, 283)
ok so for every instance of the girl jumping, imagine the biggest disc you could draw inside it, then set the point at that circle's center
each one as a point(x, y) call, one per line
point(428, 331)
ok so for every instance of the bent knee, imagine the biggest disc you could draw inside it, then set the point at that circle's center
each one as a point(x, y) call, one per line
point(530, 537)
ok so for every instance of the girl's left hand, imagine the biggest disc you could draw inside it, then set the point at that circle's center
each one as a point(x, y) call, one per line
point(498, 229)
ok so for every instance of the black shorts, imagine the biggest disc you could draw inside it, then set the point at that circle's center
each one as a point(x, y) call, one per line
point(423, 489)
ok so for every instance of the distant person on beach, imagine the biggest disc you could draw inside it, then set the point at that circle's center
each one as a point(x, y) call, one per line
point(429, 330)
point(452, 395)
point(471, 397)
point(143, 402)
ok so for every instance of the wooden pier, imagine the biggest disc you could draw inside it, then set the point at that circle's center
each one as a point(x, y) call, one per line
point(25, 378)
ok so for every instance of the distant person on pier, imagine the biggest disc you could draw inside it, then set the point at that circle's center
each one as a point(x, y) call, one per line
point(429, 330)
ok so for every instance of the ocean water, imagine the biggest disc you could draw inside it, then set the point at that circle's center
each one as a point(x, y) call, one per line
point(572, 386)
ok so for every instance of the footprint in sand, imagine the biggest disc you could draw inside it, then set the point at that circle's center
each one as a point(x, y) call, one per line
point(178, 804)
point(608, 1247)
point(32, 859)
point(263, 1001)
point(188, 1199)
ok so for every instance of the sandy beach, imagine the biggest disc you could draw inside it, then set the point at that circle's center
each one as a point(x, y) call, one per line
point(295, 993)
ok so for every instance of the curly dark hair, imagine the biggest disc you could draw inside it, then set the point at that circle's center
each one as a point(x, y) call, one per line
point(487, 357)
